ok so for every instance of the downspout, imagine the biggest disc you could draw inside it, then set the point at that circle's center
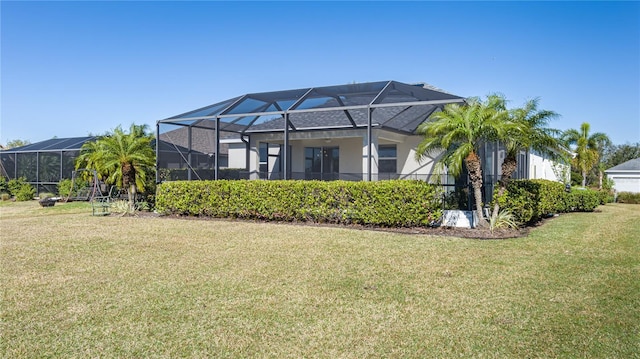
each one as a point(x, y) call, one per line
point(189, 168)
point(61, 159)
point(285, 152)
point(157, 152)
point(247, 155)
point(217, 154)
point(37, 172)
point(369, 135)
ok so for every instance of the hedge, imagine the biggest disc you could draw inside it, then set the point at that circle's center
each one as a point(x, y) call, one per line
point(396, 203)
point(531, 200)
point(628, 197)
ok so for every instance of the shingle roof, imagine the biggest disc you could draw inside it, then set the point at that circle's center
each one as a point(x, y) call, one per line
point(631, 165)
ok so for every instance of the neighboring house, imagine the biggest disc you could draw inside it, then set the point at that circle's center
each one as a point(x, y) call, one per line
point(626, 176)
point(43, 164)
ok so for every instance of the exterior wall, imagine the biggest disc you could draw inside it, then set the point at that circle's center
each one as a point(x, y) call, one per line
point(543, 168)
point(352, 145)
point(349, 142)
point(625, 181)
point(237, 155)
point(408, 166)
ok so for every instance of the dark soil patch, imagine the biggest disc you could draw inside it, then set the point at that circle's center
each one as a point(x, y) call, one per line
point(476, 233)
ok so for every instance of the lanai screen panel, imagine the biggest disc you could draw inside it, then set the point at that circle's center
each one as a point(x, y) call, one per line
point(27, 166)
point(49, 166)
point(8, 164)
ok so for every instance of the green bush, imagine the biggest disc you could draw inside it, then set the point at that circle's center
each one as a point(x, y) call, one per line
point(25, 193)
point(64, 188)
point(605, 196)
point(21, 189)
point(521, 200)
point(4, 186)
point(582, 200)
point(531, 200)
point(397, 203)
point(15, 184)
point(628, 197)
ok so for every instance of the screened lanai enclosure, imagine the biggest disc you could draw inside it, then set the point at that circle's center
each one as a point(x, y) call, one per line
point(362, 131)
point(43, 164)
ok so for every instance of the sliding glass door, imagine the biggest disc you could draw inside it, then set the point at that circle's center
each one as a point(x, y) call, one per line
point(322, 163)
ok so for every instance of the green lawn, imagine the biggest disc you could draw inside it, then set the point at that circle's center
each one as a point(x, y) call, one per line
point(74, 285)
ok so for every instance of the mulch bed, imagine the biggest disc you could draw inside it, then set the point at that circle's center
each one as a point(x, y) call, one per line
point(476, 233)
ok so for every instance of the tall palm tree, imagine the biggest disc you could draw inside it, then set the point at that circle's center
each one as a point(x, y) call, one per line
point(121, 157)
point(531, 132)
point(456, 133)
point(587, 148)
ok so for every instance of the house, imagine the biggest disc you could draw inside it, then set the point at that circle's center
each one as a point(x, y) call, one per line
point(352, 132)
point(43, 164)
point(363, 131)
point(626, 176)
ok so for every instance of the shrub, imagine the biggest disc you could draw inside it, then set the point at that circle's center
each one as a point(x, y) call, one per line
point(531, 200)
point(521, 200)
point(64, 187)
point(122, 207)
point(605, 196)
point(21, 189)
point(504, 219)
point(582, 200)
point(628, 197)
point(384, 203)
point(25, 193)
point(15, 184)
point(4, 186)
point(5, 196)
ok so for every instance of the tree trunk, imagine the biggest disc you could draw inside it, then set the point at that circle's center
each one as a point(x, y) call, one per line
point(132, 196)
point(600, 180)
point(509, 165)
point(129, 182)
point(584, 178)
point(475, 176)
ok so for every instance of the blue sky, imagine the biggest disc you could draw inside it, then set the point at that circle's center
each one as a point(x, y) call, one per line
point(73, 68)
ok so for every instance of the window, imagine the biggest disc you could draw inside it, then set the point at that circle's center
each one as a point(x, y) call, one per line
point(264, 159)
point(387, 159)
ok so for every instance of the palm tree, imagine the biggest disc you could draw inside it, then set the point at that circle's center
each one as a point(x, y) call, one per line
point(121, 157)
point(530, 133)
point(457, 132)
point(587, 148)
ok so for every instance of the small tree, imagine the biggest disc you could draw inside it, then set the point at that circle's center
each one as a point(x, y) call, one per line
point(456, 133)
point(16, 143)
point(531, 131)
point(588, 148)
point(121, 158)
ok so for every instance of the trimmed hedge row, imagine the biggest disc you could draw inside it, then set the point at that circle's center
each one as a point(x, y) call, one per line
point(396, 203)
point(531, 200)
